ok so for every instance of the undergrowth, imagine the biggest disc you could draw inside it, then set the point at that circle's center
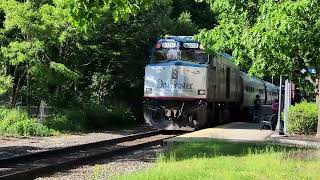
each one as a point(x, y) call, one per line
point(14, 122)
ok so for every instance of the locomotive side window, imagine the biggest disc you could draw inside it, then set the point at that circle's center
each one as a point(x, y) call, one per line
point(199, 56)
point(212, 62)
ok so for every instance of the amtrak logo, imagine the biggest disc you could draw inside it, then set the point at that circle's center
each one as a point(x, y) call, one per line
point(177, 85)
point(174, 74)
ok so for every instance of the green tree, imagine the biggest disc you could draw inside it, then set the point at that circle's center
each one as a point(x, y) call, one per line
point(199, 12)
point(117, 53)
point(85, 12)
point(269, 37)
point(37, 46)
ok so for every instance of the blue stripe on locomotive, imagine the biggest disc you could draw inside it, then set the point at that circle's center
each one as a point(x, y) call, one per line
point(178, 63)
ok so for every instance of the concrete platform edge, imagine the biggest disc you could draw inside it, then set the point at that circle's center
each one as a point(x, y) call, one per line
point(278, 141)
point(294, 142)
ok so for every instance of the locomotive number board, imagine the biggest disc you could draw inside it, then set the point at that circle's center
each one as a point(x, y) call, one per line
point(191, 45)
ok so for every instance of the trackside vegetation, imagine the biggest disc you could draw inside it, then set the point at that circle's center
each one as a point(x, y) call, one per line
point(84, 58)
point(302, 118)
point(227, 160)
point(17, 122)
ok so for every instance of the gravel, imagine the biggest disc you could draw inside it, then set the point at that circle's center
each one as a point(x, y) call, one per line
point(104, 169)
point(11, 146)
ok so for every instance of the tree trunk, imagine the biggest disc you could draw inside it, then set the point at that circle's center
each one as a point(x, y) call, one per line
point(17, 89)
point(28, 95)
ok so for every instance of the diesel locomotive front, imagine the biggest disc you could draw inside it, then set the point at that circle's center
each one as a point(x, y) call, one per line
point(186, 88)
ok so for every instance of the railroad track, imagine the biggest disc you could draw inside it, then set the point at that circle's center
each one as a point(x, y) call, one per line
point(37, 164)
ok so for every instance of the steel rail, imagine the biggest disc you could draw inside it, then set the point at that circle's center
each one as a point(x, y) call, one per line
point(34, 172)
point(43, 154)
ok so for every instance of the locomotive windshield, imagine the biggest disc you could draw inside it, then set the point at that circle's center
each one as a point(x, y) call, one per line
point(193, 55)
point(172, 50)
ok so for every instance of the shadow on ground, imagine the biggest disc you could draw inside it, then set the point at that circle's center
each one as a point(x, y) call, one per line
point(9, 151)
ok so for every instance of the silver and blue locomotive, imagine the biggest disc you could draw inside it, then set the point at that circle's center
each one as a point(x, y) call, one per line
point(186, 88)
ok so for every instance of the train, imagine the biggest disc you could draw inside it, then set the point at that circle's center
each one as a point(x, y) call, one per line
point(186, 88)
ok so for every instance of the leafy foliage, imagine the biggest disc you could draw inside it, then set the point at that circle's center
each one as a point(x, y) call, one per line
point(266, 37)
point(114, 116)
point(85, 11)
point(38, 39)
point(16, 122)
point(93, 117)
point(269, 38)
point(67, 120)
point(5, 84)
point(200, 13)
point(88, 55)
point(302, 118)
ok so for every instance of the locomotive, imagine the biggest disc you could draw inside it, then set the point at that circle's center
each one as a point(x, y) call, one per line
point(186, 88)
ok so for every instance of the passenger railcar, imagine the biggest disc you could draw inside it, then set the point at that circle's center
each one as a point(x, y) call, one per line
point(186, 88)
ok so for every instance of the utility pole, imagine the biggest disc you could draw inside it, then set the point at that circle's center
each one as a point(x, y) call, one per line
point(287, 102)
point(280, 106)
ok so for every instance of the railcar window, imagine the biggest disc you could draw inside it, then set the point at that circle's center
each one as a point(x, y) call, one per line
point(249, 89)
point(261, 91)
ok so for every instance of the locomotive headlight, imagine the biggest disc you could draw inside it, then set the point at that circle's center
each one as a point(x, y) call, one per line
point(148, 90)
point(201, 92)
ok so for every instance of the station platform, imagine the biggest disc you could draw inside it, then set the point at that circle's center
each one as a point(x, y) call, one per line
point(236, 131)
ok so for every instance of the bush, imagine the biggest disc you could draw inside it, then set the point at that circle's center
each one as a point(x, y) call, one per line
point(112, 116)
point(93, 117)
point(16, 122)
point(67, 120)
point(303, 118)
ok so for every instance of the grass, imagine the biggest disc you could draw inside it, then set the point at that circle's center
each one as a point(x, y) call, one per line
point(226, 160)
point(14, 122)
